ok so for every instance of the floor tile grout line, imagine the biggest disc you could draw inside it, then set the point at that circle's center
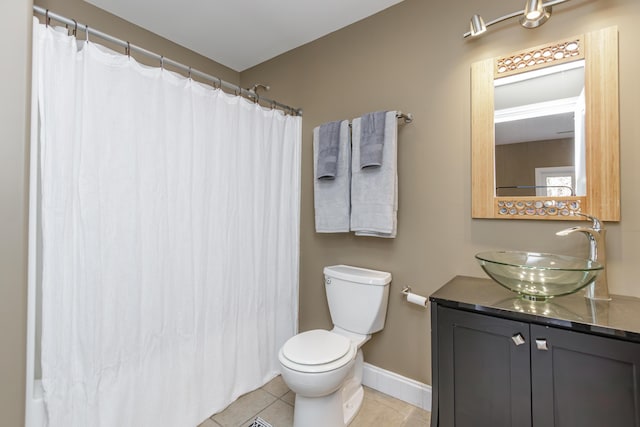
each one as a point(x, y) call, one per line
point(284, 401)
point(274, 395)
point(212, 420)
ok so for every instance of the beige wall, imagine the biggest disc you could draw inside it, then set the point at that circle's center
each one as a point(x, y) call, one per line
point(412, 57)
point(14, 91)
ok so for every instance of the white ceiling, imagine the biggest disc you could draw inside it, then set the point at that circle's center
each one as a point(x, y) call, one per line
point(242, 33)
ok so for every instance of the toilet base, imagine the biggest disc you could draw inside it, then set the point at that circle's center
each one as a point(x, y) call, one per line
point(327, 411)
point(352, 391)
point(323, 411)
point(352, 405)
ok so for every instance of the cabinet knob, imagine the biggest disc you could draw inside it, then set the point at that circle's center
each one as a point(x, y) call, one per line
point(518, 339)
point(541, 343)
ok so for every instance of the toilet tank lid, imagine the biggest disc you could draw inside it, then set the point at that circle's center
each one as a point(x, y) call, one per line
point(358, 275)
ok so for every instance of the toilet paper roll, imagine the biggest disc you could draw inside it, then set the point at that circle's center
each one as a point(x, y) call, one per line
point(416, 299)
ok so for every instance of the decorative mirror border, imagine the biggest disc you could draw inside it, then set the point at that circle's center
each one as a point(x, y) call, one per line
point(525, 208)
point(571, 49)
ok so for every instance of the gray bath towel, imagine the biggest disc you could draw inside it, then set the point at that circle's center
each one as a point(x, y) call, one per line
point(374, 191)
point(332, 197)
point(372, 139)
point(328, 150)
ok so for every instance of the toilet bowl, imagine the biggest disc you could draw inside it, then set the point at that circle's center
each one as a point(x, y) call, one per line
point(324, 368)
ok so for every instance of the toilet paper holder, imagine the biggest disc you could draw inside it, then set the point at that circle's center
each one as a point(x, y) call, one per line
point(414, 298)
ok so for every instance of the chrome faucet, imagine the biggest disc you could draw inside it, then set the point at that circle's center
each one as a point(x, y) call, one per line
point(598, 289)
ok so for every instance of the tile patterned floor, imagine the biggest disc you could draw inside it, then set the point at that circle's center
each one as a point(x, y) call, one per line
point(274, 404)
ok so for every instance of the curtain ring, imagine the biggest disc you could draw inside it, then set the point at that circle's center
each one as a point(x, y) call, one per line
point(189, 73)
point(86, 33)
point(127, 50)
point(219, 83)
point(75, 27)
point(162, 62)
point(256, 100)
point(47, 20)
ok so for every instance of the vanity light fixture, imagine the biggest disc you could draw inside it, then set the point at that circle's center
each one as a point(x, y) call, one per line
point(477, 25)
point(535, 13)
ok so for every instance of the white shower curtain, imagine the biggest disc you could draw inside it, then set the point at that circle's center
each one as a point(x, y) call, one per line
point(170, 239)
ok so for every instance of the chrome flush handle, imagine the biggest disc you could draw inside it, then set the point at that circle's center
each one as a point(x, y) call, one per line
point(541, 344)
point(518, 339)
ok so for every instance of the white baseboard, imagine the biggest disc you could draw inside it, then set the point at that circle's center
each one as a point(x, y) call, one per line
point(402, 388)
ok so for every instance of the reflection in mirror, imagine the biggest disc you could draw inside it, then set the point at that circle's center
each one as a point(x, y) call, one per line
point(539, 132)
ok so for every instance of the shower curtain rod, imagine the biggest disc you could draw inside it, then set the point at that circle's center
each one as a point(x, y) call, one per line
point(129, 47)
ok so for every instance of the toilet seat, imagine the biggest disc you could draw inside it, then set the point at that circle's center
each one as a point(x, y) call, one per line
point(317, 351)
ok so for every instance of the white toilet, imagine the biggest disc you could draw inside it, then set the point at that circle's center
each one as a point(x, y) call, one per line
point(324, 368)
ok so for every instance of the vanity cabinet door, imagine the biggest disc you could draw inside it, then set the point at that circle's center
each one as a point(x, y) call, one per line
point(484, 370)
point(581, 380)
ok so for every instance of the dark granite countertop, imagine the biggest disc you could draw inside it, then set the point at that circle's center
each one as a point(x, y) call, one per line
point(619, 318)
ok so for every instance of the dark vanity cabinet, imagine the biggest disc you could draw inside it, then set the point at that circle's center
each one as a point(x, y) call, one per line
point(483, 375)
point(501, 361)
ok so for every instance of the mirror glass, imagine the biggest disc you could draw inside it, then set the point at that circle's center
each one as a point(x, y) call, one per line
point(539, 132)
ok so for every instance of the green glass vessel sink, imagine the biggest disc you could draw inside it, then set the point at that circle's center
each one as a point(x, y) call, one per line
point(539, 276)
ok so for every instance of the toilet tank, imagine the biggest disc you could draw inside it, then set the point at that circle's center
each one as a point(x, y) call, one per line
point(357, 297)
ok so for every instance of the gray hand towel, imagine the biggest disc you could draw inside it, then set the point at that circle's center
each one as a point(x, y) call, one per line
point(372, 139)
point(328, 150)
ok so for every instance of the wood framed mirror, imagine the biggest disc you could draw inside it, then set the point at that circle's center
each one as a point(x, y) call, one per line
point(577, 170)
